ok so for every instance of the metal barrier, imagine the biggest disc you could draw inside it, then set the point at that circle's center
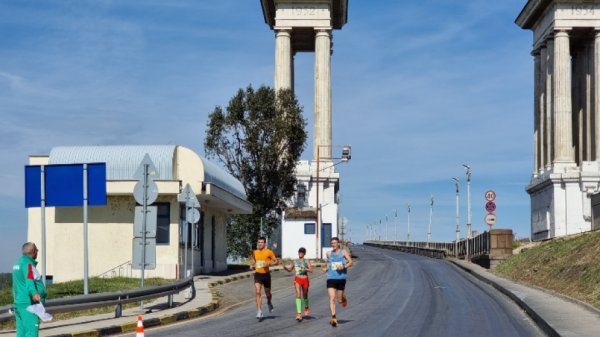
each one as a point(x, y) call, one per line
point(489, 247)
point(416, 249)
point(117, 298)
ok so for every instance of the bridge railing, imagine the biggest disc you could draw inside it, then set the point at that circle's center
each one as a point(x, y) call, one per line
point(493, 245)
point(117, 298)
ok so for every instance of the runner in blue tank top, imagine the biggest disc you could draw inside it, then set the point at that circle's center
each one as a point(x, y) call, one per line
point(338, 262)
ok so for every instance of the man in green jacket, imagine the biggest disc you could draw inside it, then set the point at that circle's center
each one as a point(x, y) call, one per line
point(28, 289)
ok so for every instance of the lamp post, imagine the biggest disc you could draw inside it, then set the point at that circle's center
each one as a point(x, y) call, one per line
point(396, 225)
point(468, 172)
point(457, 182)
point(346, 156)
point(386, 227)
point(408, 225)
point(430, 220)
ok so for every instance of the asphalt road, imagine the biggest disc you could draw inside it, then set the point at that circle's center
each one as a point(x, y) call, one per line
point(389, 294)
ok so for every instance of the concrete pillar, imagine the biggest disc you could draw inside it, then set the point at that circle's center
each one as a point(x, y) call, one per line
point(283, 59)
point(549, 130)
point(563, 128)
point(542, 108)
point(322, 131)
point(589, 102)
point(596, 81)
point(537, 86)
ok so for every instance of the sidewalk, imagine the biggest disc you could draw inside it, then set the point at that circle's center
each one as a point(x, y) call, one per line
point(555, 314)
point(205, 301)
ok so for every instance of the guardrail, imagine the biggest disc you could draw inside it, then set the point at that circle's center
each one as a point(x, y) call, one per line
point(415, 249)
point(117, 298)
point(490, 247)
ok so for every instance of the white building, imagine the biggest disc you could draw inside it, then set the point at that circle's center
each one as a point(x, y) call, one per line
point(111, 226)
point(299, 226)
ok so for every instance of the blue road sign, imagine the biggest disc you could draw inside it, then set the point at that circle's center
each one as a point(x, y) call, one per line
point(64, 185)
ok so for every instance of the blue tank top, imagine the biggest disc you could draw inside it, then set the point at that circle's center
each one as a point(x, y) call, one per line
point(334, 261)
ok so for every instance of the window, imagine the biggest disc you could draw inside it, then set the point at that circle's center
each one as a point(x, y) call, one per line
point(163, 223)
point(309, 228)
point(301, 197)
point(326, 235)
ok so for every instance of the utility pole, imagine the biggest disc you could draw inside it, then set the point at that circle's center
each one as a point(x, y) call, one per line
point(457, 182)
point(386, 227)
point(430, 220)
point(408, 226)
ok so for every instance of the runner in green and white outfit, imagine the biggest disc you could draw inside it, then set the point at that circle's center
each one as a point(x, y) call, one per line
point(301, 283)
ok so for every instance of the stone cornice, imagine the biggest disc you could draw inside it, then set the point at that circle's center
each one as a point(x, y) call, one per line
point(339, 11)
point(531, 13)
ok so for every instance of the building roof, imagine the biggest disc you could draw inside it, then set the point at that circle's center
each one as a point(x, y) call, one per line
point(123, 160)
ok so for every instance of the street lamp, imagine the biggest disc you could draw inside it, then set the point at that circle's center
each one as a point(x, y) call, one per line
point(408, 225)
point(346, 156)
point(430, 220)
point(457, 182)
point(468, 171)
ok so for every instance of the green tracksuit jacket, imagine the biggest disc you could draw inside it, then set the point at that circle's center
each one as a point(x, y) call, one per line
point(26, 283)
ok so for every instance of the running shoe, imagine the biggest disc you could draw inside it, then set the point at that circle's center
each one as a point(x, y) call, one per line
point(259, 316)
point(306, 311)
point(344, 301)
point(333, 321)
point(299, 317)
point(270, 307)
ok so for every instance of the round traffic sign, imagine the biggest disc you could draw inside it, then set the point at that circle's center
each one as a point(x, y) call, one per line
point(490, 195)
point(151, 196)
point(490, 219)
point(490, 206)
point(192, 215)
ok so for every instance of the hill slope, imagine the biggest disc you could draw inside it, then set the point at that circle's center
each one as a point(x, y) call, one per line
point(570, 266)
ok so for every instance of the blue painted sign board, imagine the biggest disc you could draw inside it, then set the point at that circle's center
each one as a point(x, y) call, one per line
point(64, 185)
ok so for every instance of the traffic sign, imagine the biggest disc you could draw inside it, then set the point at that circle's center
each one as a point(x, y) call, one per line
point(188, 197)
point(490, 195)
point(490, 219)
point(490, 206)
point(138, 222)
point(192, 215)
point(140, 172)
point(138, 254)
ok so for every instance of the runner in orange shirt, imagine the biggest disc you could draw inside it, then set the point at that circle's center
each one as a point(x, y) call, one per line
point(262, 258)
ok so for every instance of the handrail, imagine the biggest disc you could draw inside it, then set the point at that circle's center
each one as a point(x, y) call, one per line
point(118, 298)
point(115, 268)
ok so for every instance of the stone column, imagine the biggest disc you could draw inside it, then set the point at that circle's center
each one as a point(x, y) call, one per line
point(596, 114)
point(536, 110)
point(563, 128)
point(542, 107)
point(283, 59)
point(322, 131)
point(549, 102)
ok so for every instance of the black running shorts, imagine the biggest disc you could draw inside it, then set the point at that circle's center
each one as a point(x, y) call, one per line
point(264, 279)
point(336, 284)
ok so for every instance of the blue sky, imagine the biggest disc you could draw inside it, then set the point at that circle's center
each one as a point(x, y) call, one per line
point(419, 88)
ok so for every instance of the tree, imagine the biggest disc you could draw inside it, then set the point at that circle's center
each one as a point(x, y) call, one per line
point(259, 140)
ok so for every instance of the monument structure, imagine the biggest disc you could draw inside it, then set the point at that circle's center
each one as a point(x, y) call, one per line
point(307, 26)
point(566, 171)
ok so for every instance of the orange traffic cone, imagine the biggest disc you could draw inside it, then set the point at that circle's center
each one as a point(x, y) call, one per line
point(140, 327)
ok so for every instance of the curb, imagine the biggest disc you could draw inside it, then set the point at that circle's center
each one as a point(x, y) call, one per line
point(163, 320)
point(171, 318)
point(539, 320)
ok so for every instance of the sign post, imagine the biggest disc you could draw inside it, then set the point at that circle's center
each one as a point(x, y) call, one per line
point(192, 216)
point(145, 193)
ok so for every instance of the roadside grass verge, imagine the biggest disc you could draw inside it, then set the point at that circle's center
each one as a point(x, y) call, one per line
point(569, 266)
point(74, 288)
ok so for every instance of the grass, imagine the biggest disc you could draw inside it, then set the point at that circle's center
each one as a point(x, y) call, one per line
point(74, 288)
point(570, 266)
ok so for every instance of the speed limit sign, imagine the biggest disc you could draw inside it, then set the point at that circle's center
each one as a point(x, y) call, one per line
point(490, 195)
